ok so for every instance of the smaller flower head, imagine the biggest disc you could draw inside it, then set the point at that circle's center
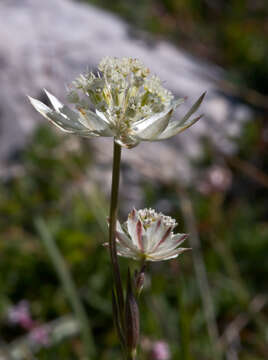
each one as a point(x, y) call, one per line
point(148, 235)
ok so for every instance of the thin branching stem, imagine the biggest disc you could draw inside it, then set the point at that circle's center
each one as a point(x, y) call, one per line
point(131, 356)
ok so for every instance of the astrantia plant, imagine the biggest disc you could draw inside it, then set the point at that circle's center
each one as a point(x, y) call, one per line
point(124, 102)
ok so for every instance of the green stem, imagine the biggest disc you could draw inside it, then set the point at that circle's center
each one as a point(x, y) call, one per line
point(184, 322)
point(131, 355)
point(112, 230)
point(69, 287)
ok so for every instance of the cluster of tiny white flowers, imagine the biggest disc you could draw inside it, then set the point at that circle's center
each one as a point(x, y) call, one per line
point(149, 216)
point(168, 221)
point(153, 86)
point(123, 91)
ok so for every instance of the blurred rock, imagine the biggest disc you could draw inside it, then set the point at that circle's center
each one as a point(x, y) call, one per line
point(48, 43)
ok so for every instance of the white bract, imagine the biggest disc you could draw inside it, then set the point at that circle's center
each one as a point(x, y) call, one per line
point(148, 235)
point(121, 101)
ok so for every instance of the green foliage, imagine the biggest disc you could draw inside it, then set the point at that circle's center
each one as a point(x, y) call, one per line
point(232, 33)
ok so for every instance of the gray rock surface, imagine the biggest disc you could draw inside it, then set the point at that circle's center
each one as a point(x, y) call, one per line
point(48, 43)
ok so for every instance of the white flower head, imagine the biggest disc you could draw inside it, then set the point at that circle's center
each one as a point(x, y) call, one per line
point(121, 101)
point(148, 235)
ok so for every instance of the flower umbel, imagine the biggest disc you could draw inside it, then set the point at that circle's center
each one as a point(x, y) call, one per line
point(121, 101)
point(148, 235)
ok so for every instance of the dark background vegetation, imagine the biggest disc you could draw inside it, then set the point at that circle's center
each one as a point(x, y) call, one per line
point(231, 222)
point(231, 33)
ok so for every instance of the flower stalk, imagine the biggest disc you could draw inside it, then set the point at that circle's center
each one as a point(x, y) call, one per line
point(112, 233)
point(132, 321)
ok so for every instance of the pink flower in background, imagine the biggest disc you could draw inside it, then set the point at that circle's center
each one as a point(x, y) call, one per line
point(160, 350)
point(20, 315)
point(220, 178)
point(216, 179)
point(39, 336)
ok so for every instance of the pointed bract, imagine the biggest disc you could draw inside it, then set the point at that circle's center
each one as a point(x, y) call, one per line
point(180, 125)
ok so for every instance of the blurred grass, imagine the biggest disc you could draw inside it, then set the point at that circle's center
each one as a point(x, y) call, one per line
point(68, 286)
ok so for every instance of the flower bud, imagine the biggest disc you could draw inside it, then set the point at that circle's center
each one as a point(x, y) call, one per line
point(139, 278)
